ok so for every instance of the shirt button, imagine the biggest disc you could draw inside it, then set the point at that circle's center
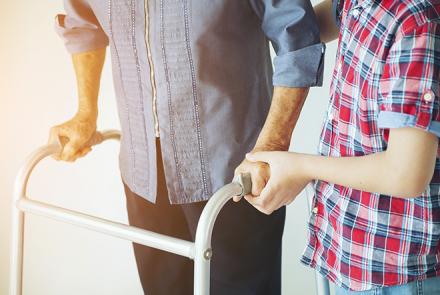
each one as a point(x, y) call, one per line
point(428, 97)
point(339, 65)
point(355, 13)
point(315, 210)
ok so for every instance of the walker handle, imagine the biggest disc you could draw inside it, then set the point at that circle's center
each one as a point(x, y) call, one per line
point(245, 180)
point(96, 139)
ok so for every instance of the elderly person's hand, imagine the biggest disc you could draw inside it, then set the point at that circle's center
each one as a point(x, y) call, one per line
point(74, 136)
point(275, 136)
point(259, 174)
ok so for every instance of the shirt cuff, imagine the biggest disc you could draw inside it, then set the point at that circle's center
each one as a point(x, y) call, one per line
point(300, 68)
point(389, 120)
point(79, 37)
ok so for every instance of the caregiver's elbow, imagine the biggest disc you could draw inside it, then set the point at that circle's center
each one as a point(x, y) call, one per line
point(410, 184)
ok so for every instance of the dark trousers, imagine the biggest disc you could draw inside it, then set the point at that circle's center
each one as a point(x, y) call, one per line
point(246, 246)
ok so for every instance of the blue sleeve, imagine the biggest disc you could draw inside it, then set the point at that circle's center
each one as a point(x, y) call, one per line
point(80, 28)
point(292, 28)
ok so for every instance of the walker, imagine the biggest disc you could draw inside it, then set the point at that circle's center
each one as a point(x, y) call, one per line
point(200, 251)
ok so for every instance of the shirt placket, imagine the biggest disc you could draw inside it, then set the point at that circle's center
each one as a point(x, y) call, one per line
point(151, 66)
point(331, 116)
point(350, 26)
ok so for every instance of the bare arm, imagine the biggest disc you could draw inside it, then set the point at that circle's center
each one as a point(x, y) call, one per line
point(283, 114)
point(404, 170)
point(276, 133)
point(327, 27)
point(76, 132)
point(88, 68)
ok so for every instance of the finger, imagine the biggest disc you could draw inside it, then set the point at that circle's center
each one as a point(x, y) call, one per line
point(236, 198)
point(264, 200)
point(54, 139)
point(238, 170)
point(259, 157)
point(289, 202)
point(84, 152)
point(95, 139)
point(70, 150)
point(53, 135)
point(60, 136)
point(259, 177)
point(258, 207)
point(263, 210)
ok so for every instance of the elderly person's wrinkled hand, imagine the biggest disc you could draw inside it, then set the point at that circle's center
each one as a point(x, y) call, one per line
point(74, 136)
point(259, 172)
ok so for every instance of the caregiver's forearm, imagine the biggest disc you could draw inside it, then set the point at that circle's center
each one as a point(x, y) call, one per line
point(405, 169)
point(283, 114)
point(88, 68)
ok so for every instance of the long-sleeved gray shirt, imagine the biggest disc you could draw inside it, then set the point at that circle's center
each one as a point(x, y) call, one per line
point(197, 73)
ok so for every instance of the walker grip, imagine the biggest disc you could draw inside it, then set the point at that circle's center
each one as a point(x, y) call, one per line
point(96, 139)
point(245, 181)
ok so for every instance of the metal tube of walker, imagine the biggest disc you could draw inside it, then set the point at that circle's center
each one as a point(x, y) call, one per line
point(18, 218)
point(200, 250)
point(240, 186)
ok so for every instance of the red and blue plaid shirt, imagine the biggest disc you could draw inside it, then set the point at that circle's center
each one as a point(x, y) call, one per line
point(386, 76)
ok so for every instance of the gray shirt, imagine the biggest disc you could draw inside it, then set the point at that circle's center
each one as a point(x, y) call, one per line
point(197, 73)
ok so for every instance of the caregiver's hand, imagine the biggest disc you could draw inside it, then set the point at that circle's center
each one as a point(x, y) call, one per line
point(259, 175)
point(286, 180)
point(74, 136)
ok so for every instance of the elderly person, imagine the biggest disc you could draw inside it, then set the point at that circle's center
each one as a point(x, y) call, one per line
point(195, 91)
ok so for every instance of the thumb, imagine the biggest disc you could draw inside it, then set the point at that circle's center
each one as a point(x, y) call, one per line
point(259, 157)
point(70, 150)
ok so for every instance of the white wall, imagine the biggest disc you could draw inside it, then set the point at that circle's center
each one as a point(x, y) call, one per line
point(38, 91)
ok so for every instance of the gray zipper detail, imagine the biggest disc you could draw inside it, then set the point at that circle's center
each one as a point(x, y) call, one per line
point(138, 70)
point(150, 62)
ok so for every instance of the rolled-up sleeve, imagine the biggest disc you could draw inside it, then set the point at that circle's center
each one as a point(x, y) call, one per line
point(79, 27)
point(292, 28)
point(409, 86)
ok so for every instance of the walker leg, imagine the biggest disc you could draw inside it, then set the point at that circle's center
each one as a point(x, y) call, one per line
point(202, 268)
point(15, 287)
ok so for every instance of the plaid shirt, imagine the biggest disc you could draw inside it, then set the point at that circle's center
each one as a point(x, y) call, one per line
point(386, 76)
